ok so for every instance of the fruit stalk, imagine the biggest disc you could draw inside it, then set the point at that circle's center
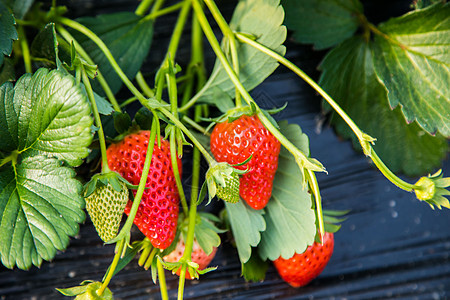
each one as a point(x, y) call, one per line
point(363, 138)
point(25, 49)
point(98, 121)
point(228, 33)
point(101, 80)
point(125, 231)
point(300, 157)
point(162, 280)
point(112, 268)
point(197, 58)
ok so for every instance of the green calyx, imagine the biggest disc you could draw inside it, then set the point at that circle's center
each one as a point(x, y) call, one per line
point(432, 190)
point(88, 290)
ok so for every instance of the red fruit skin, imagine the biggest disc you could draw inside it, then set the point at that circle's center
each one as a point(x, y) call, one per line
point(234, 143)
point(301, 269)
point(198, 256)
point(157, 215)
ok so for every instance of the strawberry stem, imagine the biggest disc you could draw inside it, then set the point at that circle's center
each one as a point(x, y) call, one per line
point(228, 34)
point(125, 231)
point(98, 121)
point(112, 268)
point(143, 7)
point(25, 49)
point(101, 79)
point(90, 34)
point(196, 58)
point(314, 186)
point(176, 172)
point(363, 138)
point(162, 280)
point(299, 155)
point(186, 131)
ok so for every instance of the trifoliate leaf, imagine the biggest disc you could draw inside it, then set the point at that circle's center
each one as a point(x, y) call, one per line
point(246, 225)
point(324, 23)
point(40, 208)
point(349, 77)
point(262, 19)
point(45, 113)
point(8, 32)
point(289, 215)
point(411, 60)
point(127, 36)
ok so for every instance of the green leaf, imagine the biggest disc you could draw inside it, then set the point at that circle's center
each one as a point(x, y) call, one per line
point(73, 291)
point(419, 4)
point(246, 225)
point(324, 23)
point(348, 76)
point(127, 36)
point(289, 217)
point(411, 60)
point(8, 31)
point(104, 106)
point(206, 234)
point(262, 19)
point(46, 113)
point(255, 268)
point(7, 71)
point(122, 121)
point(130, 254)
point(46, 47)
point(19, 7)
point(144, 118)
point(40, 207)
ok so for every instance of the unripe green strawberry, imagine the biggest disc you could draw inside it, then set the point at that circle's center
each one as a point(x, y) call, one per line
point(105, 206)
point(230, 192)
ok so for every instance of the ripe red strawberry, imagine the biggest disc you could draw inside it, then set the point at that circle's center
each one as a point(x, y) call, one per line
point(234, 142)
point(157, 215)
point(300, 269)
point(198, 256)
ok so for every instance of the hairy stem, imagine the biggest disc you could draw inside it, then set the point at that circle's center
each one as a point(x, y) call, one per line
point(25, 49)
point(98, 121)
point(112, 268)
point(162, 280)
point(86, 31)
point(186, 131)
point(363, 138)
point(314, 186)
point(230, 37)
point(101, 79)
point(125, 231)
point(176, 171)
point(299, 155)
point(143, 7)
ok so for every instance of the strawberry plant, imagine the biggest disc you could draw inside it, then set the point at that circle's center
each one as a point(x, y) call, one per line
point(77, 109)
